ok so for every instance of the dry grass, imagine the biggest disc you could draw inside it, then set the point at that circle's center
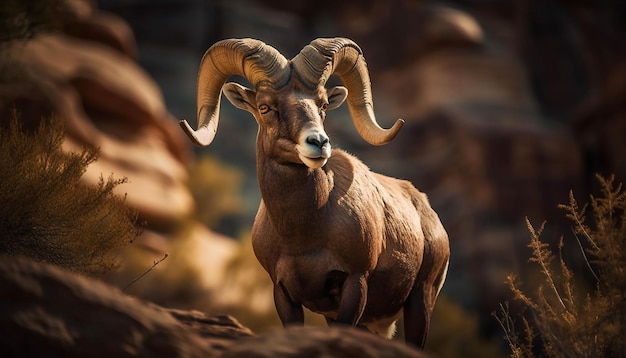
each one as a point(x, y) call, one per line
point(567, 318)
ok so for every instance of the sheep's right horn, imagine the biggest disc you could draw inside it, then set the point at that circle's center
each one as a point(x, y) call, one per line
point(249, 58)
point(342, 57)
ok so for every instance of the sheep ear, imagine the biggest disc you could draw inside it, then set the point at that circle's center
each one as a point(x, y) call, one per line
point(336, 96)
point(240, 96)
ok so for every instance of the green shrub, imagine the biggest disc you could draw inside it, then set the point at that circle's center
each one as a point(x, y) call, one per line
point(47, 213)
point(567, 319)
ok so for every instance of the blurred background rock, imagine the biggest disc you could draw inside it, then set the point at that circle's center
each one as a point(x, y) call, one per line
point(508, 106)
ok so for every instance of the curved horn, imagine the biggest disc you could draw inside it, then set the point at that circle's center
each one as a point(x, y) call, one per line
point(342, 57)
point(249, 58)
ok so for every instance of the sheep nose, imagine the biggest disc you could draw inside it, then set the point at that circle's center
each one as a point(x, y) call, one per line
point(317, 139)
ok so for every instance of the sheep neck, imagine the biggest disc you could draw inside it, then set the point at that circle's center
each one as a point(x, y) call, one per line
point(295, 196)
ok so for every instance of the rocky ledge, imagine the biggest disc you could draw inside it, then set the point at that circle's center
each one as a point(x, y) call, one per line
point(46, 311)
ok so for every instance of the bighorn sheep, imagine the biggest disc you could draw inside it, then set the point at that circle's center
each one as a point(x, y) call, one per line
point(358, 247)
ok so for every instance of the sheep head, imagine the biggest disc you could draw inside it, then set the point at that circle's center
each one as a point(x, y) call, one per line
point(289, 99)
point(291, 120)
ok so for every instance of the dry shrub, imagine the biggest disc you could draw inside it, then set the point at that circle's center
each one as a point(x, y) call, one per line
point(47, 213)
point(568, 319)
point(20, 19)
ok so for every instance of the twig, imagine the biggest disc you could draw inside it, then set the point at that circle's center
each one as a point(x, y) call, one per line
point(154, 265)
point(579, 217)
point(508, 326)
point(582, 250)
point(542, 257)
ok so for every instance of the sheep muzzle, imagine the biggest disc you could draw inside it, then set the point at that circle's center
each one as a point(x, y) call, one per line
point(313, 148)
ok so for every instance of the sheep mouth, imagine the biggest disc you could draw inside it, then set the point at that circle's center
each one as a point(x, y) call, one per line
point(313, 159)
point(313, 162)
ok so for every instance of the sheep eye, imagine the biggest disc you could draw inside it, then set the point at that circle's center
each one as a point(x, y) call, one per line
point(264, 108)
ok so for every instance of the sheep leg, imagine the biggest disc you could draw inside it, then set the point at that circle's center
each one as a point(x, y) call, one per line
point(417, 311)
point(353, 299)
point(290, 313)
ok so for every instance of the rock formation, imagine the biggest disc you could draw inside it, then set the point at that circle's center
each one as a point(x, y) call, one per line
point(88, 77)
point(46, 311)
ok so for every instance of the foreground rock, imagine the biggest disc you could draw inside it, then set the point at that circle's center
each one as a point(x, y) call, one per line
point(47, 311)
point(321, 343)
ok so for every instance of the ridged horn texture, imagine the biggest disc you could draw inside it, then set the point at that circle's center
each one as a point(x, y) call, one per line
point(342, 57)
point(249, 58)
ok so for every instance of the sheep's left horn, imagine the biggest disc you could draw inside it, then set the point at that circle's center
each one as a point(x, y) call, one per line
point(342, 57)
point(249, 58)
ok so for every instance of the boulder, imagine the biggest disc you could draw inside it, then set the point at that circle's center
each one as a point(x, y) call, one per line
point(46, 311)
point(335, 342)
